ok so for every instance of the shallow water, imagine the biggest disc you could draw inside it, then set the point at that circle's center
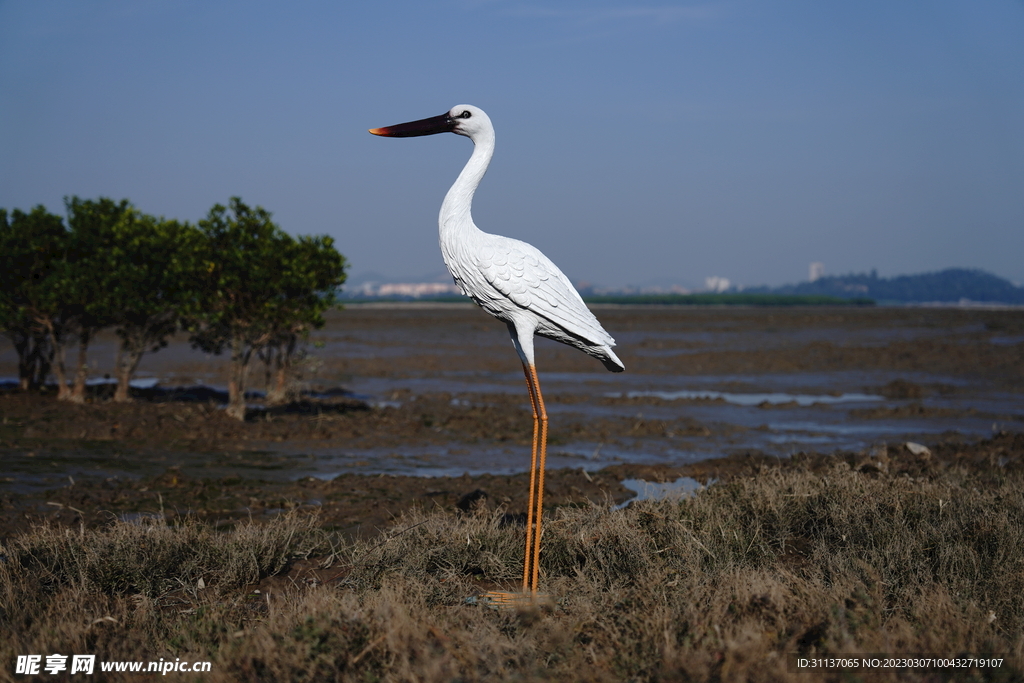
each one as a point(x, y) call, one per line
point(774, 422)
point(778, 415)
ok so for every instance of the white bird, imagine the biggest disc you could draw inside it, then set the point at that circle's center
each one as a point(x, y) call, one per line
point(514, 282)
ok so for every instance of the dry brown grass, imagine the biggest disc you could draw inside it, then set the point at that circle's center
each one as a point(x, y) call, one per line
point(718, 587)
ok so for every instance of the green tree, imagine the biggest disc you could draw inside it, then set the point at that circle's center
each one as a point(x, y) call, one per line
point(260, 287)
point(32, 249)
point(149, 276)
point(80, 282)
point(311, 275)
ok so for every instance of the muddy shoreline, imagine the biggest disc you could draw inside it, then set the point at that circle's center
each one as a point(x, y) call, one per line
point(258, 487)
point(442, 380)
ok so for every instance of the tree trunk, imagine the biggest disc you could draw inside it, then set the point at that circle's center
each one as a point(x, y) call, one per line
point(266, 354)
point(136, 339)
point(82, 371)
point(236, 384)
point(59, 368)
point(40, 359)
point(284, 367)
point(129, 355)
point(277, 371)
point(280, 393)
point(34, 358)
point(22, 341)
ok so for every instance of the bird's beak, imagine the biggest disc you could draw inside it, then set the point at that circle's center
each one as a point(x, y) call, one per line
point(435, 124)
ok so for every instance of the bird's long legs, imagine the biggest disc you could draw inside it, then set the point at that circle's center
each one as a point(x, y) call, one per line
point(531, 560)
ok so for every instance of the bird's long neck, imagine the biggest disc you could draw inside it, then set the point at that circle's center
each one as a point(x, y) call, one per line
point(456, 210)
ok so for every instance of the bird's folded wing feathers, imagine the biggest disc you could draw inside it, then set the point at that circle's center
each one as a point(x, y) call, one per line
point(528, 278)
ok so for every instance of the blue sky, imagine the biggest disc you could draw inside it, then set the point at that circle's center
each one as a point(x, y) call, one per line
point(637, 143)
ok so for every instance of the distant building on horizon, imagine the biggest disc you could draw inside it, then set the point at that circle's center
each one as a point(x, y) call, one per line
point(586, 289)
point(414, 290)
point(816, 271)
point(716, 284)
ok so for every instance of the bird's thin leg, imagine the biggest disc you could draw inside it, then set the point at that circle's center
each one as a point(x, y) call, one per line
point(543, 443)
point(528, 555)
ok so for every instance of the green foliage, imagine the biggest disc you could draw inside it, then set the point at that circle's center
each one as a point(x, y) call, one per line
point(31, 245)
point(52, 286)
point(259, 280)
point(237, 279)
point(81, 282)
point(149, 277)
point(31, 314)
point(259, 287)
point(150, 268)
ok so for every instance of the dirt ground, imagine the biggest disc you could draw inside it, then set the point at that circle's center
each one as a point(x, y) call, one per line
point(162, 428)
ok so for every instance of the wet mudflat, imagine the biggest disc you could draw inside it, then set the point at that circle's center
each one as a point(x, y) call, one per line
point(426, 405)
point(864, 472)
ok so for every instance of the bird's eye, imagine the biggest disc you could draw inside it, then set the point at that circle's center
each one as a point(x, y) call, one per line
point(466, 114)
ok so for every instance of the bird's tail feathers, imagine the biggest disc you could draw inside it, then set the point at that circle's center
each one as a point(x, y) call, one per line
point(601, 350)
point(610, 360)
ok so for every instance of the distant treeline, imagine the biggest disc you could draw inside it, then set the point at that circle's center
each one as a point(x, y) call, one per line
point(953, 284)
point(740, 299)
point(234, 281)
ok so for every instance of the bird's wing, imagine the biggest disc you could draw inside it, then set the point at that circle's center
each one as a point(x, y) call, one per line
point(528, 278)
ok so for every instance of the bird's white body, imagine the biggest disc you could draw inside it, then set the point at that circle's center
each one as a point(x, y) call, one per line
point(515, 283)
point(510, 279)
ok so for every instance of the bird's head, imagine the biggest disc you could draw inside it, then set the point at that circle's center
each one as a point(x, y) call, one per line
point(462, 119)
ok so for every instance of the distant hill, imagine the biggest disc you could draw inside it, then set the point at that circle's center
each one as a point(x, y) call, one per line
point(951, 285)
